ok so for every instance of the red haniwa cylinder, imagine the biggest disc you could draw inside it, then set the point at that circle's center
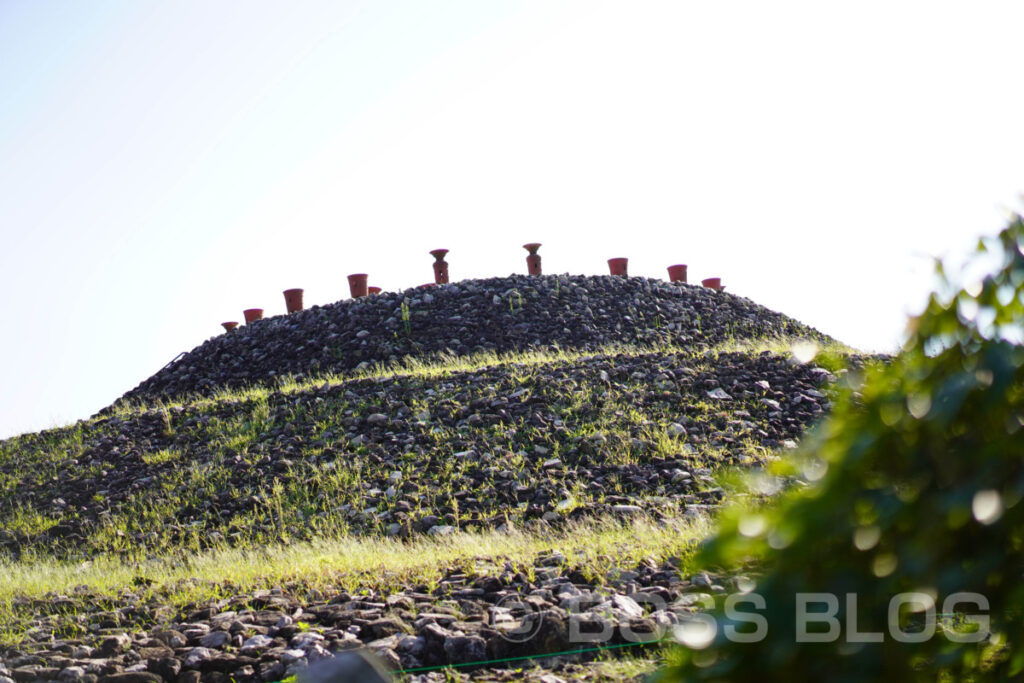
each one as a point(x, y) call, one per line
point(252, 314)
point(713, 283)
point(677, 273)
point(533, 260)
point(617, 266)
point(229, 326)
point(293, 300)
point(357, 284)
point(373, 290)
point(440, 266)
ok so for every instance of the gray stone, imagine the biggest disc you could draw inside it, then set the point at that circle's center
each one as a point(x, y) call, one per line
point(465, 649)
point(627, 605)
point(115, 645)
point(680, 475)
point(132, 677)
point(257, 642)
point(215, 639)
point(197, 656)
point(703, 580)
point(71, 674)
point(412, 645)
point(304, 640)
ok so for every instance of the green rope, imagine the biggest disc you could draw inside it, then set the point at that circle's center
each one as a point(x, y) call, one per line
point(525, 657)
point(515, 659)
point(548, 655)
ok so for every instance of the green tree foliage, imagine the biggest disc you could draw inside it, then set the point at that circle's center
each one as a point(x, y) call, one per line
point(914, 484)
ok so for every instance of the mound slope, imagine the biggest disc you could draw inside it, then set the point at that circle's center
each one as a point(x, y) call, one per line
point(421, 452)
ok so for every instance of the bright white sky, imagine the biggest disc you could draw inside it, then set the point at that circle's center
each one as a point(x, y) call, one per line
point(165, 165)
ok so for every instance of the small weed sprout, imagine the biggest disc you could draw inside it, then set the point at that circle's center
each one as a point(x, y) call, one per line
point(168, 430)
point(515, 305)
point(406, 317)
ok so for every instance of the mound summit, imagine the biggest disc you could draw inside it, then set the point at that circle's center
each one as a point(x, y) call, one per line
point(514, 313)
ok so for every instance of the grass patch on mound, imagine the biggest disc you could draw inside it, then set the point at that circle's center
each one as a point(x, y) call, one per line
point(596, 547)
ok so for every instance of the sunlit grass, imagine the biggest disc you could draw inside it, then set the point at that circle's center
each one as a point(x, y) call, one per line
point(28, 521)
point(596, 547)
point(160, 457)
point(784, 346)
point(444, 364)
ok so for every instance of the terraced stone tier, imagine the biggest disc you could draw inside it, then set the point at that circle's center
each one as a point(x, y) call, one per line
point(423, 452)
point(498, 314)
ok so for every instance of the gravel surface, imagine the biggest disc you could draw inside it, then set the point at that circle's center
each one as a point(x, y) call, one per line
point(269, 634)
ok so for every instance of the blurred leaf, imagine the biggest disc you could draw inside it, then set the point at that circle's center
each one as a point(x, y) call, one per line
point(923, 488)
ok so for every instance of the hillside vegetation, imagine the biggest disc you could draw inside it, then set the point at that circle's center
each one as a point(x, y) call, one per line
point(400, 489)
